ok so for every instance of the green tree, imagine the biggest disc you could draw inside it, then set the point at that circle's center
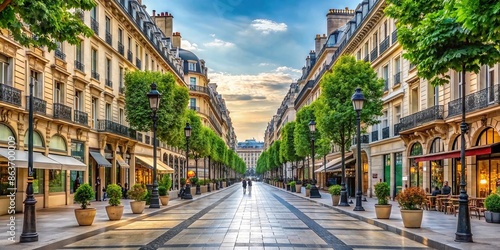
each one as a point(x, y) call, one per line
point(302, 135)
point(174, 100)
point(481, 18)
point(48, 22)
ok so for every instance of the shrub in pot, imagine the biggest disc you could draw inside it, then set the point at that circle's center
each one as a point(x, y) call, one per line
point(382, 208)
point(114, 210)
point(308, 190)
point(293, 186)
point(334, 191)
point(492, 205)
point(164, 185)
point(410, 201)
point(84, 215)
point(138, 193)
point(298, 186)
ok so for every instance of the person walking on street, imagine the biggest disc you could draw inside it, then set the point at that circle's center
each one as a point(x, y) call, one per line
point(244, 184)
point(249, 183)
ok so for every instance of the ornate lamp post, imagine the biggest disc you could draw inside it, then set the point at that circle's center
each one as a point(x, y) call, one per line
point(314, 190)
point(187, 190)
point(357, 101)
point(154, 102)
point(29, 222)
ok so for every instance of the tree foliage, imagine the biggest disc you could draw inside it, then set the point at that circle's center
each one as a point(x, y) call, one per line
point(287, 149)
point(481, 18)
point(197, 141)
point(174, 100)
point(45, 22)
point(302, 135)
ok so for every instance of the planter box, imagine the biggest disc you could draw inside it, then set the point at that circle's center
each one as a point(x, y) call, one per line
point(492, 217)
point(298, 187)
point(203, 189)
point(412, 218)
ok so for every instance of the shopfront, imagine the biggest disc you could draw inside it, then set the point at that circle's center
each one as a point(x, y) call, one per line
point(416, 168)
point(436, 176)
point(488, 165)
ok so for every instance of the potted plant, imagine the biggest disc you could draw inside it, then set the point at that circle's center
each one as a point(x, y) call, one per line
point(84, 215)
point(164, 186)
point(114, 210)
point(492, 205)
point(334, 190)
point(298, 186)
point(383, 208)
point(308, 190)
point(292, 186)
point(138, 193)
point(410, 201)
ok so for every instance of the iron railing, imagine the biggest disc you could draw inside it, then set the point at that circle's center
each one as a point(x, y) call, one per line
point(121, 48)
point(121, 90)
point(138, 63)
point(384, 45)
point(132, 134)
point(374, 54)
point(94, 25)
point(396, 129)
point(478, 100)
point(81, 117)
point(306, 87)
point(109, 38)
point(386, 84)
point(109, 83)
point(375, 135)
point(385, 133)
point(62, 111)
point(364, 139)
point(59, 54)
point(39, 105)
point(422, 117)
point(197, 88)
point(367, 58)
point(10, 94)
point(79, 66)
point(197, 109)
point(139, 137)
point(112, 127)
point(130, 56)
point(394, 36)
point(397, 78)
point(94, 75)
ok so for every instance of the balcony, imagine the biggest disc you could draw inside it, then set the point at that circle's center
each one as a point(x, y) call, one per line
point(396, 129)
point(129, 56)
point(94, 25)
point(39, 105)
point(364, 139)
point(367, 58)
point(59, 54)
point(422, 117)
point(385, 133)
point(10, 95)
point(132, 134)
point(138, 63)
point(475, 101)
point(197, 109)
point(308, 86)
point(121, 48)
point(112, 127)
point(374, 135)
point(62, 112)
point(79, 66)
point(374, 54)
point(196, 88)
point(109, 83)
point(394, 36)
point(397, 78)
point(81, 117)
point(139, 137)
point(148, 139)
point(94, 75)
point(384, 45)
point(109, 38)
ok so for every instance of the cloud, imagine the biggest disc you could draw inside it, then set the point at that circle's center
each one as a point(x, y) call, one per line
point(265, 64)
point(187, 45)
point(267, 26)
point(218, 43)
point(241, 97)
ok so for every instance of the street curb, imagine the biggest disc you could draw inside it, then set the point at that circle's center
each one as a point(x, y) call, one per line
point(400, 231)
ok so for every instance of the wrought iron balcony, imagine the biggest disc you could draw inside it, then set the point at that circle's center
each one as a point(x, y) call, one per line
point(62, 111)
point(304, 89)
point(59, 54)
point(138, 63)
point(385, 133)
point(197, 88)
point(394, 36)
point(197, 109)
point(10, 95)
point(384, 45)
point(94, 25)
point(148, 139)
point(109, 38)
point(367, 58)
point(139, 137)
point(396, 129)
point(422, 117)
point(364, 139)
point(130, 56)
point(374, 54)
point(39, 105)
point(94, 75)
point(121, 48)
point(132, 134)
point(81, 117)
point(79, 66)
point(397, 78)
point(112, 127)
point(475, 101)
point(109, 83)
point(375, 135)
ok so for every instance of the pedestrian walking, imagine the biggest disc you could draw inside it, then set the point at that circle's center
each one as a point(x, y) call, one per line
point(249, 183)
point(244, 184)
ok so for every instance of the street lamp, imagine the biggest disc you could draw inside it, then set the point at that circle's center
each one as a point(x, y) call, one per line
point(357, 101)
point(314, 193)
point(29, 223)
point(187, 190)
point(154, 102)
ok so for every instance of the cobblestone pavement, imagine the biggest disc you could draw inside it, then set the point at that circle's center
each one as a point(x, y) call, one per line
point(266, 219)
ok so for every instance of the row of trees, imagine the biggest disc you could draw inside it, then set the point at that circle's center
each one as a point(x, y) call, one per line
point(333, 113)
point(172, 117)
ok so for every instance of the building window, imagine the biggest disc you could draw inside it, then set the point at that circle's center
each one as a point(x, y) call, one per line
point(146, 61)
point(358, 55)
point(93, 57)
point(93, 13)
point(109, 83)
point(120, 78)
point(79, 100)
point(490, 83)
point(108, 25)
point(460, 82)
point(385, 76)
point(57, 180)
point(375, 40)
point(414, 100)
point(5, 70)
point(397, 113)
point(386, 32)
point(108, 112)
point(58, 92)
point(385, 122)
point(36, 77)
point(120, 36)
point(94, 112)
point(122, 116)
point(367, 51)
point(192, 81)
point(192, 66)
point(78, 52)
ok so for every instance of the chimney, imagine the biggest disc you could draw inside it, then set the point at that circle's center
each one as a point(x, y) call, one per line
point(336, 18)
point(312, 56)
point(317, 43)
point(176, 42)
point(164, 21)
point(323, 40)
point(308, 62)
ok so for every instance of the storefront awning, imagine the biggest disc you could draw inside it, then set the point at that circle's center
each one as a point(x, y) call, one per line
point(121, 162)
point(160, 166)
point(101, 161)
point(68, 162)
point(338, 166)
point(333, 162)
point(20, 158)
point(479, 150)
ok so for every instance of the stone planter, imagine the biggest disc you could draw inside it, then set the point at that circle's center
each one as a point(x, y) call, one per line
point(383, 211)
point(164, 200)
point(298, 187)
point(114, 212)
point(293, 189)
point(203, 189)
point(492, 217)
point(335, 200)
point(85, 217)
point(308, 192)
point(412, 218)
point(137, 206)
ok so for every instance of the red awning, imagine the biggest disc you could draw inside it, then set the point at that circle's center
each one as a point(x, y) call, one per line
point(479, 150)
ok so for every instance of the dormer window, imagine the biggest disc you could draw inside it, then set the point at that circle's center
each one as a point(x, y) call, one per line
point(192, 66)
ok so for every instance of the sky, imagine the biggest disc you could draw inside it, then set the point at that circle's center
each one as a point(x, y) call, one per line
point(254, 49)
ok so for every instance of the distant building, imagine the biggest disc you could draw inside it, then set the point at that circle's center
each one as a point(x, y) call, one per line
point(249, 151)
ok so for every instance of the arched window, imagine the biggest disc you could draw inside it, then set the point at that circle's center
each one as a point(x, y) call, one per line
point(58, 143)
point(416, 149)
point(437, 146)
point(437, 169)
point(5, 133)
point(488, 136)
point(416, 169)
point(37, 140)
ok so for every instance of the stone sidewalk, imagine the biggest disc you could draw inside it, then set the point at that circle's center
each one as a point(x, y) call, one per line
point(437, 231)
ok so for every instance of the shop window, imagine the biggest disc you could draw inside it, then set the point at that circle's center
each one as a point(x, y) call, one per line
point(73, 175)
point(37, 140)
point(58, 143)
point(57, 180)
point(416, 168)
point(5, 133)
point(6, 70)
point(488, 136)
